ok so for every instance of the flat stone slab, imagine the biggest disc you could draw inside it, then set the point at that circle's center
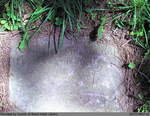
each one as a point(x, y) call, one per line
point(83, 76)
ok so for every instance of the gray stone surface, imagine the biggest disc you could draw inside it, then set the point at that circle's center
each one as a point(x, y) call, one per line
point(83, 76)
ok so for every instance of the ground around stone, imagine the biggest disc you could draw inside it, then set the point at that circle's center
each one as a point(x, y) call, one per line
point(82, 76)
point(77, 77)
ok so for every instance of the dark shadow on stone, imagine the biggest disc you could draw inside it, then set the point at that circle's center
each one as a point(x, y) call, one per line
point(93, 33)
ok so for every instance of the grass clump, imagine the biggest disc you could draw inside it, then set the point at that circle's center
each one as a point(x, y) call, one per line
point(135, 15)
point(10, 18)
point(145, 107)
point(60, 13)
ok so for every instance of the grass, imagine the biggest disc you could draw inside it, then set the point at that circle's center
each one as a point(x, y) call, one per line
point(134, 15)
point(10, 18)
point(60, 13)
point(145, 107)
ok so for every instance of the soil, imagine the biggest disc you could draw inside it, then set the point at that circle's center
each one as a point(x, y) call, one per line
point(129, 53)
point(4, 71)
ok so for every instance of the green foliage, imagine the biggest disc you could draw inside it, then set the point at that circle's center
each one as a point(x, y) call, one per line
point(91, 13)
point(62, 33)
point(145, 107)
point(131, 65)
point(10, 21)
point(101, 27)
point(2, 21)
point(63, 13)
point(36, 15)
point(140, 96)
point(58, 21)
point(134, 14)
point(59, 12)
point(119, 23)
point(93, 16)
point(147, 54)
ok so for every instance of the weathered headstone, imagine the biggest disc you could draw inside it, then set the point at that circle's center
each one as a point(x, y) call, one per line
point(82, 76)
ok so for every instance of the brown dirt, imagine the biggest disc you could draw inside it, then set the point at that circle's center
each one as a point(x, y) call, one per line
point(129, 53)
point(5, 44)
point(4, 71)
